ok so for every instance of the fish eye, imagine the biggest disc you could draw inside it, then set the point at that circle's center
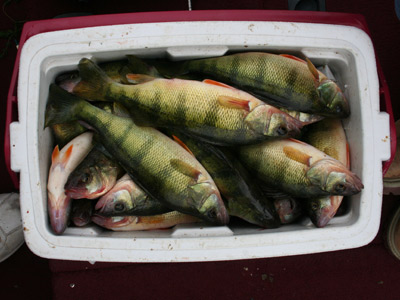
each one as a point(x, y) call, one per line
point(119, 206)
point(211, 214)
point(85, 177)
point(314, 206)
point(340, 187)
point(282, 130)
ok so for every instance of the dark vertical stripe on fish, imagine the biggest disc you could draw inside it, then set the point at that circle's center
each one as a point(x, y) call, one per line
point(262, 73)
point(156, 107)
point(180, 111)
point(122, 135)
point(234, 68)
point(144, 150)
point(290, 82)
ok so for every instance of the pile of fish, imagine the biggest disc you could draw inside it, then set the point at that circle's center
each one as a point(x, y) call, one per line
point(148, 145)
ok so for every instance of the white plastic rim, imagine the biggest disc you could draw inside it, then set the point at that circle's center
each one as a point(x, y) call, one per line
point(347, 50)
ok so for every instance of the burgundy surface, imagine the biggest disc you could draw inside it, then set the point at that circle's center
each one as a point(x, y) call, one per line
point(369, 272)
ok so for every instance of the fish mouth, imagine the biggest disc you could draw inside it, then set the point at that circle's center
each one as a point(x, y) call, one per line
point(68, 84)
point(59, 213)
point(111, 222)
point(222, 216)
point(322, 217)
point(101, 204)
point(84, 193)
point(82, 221)
point(353, 186)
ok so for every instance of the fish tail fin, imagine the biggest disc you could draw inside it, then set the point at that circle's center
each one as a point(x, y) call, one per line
point(94, 81)
point(62, 107)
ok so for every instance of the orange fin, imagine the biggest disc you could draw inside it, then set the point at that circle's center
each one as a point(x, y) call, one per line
point(217, 83)
point(66, 155)
point(293, 57)
point(297, 141)
point(138, 78)
point(313, 70)
point(176, 139)
point(55, 155)
point(233, 102)
point(185, 168)
point(297, 155)
point(348, 155)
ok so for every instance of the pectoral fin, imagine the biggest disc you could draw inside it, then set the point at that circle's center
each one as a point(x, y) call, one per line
point(233, 102)
point(185, 168)
point(297, 155)
point(120, 110)
point(313, 70)
point(55, 155)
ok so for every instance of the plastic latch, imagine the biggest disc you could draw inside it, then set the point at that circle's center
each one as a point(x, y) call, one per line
point(16, 148)
point(192, 52)
point(382, 133)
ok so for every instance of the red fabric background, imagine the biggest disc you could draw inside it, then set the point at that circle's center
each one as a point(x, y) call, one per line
point(369, 272)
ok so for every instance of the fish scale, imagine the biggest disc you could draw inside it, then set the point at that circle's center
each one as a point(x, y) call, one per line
point(299, 169)
point(219, 114)
point(162, 167)
point(280, 80)
point(176, 103)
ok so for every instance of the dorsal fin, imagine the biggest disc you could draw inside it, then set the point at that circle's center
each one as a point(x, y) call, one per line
point(233, 102)
point(293, 57)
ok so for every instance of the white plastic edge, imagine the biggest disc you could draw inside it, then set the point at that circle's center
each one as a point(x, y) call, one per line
point(46, 249)
point(383, 139)
point(17, 151)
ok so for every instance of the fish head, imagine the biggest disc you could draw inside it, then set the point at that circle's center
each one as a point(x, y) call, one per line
point(90, 184)
point(288, 209)
point(270, 121)
point(322, 210)
point(68, 81)
point(266, 217)
point(59, 207)
point(112, 203)
point(334, 178)
point(81, 212)
point(210, 204)
point(334, 99)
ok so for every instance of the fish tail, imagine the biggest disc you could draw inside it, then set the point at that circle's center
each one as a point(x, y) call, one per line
point(62, 107)
point(94, 81)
